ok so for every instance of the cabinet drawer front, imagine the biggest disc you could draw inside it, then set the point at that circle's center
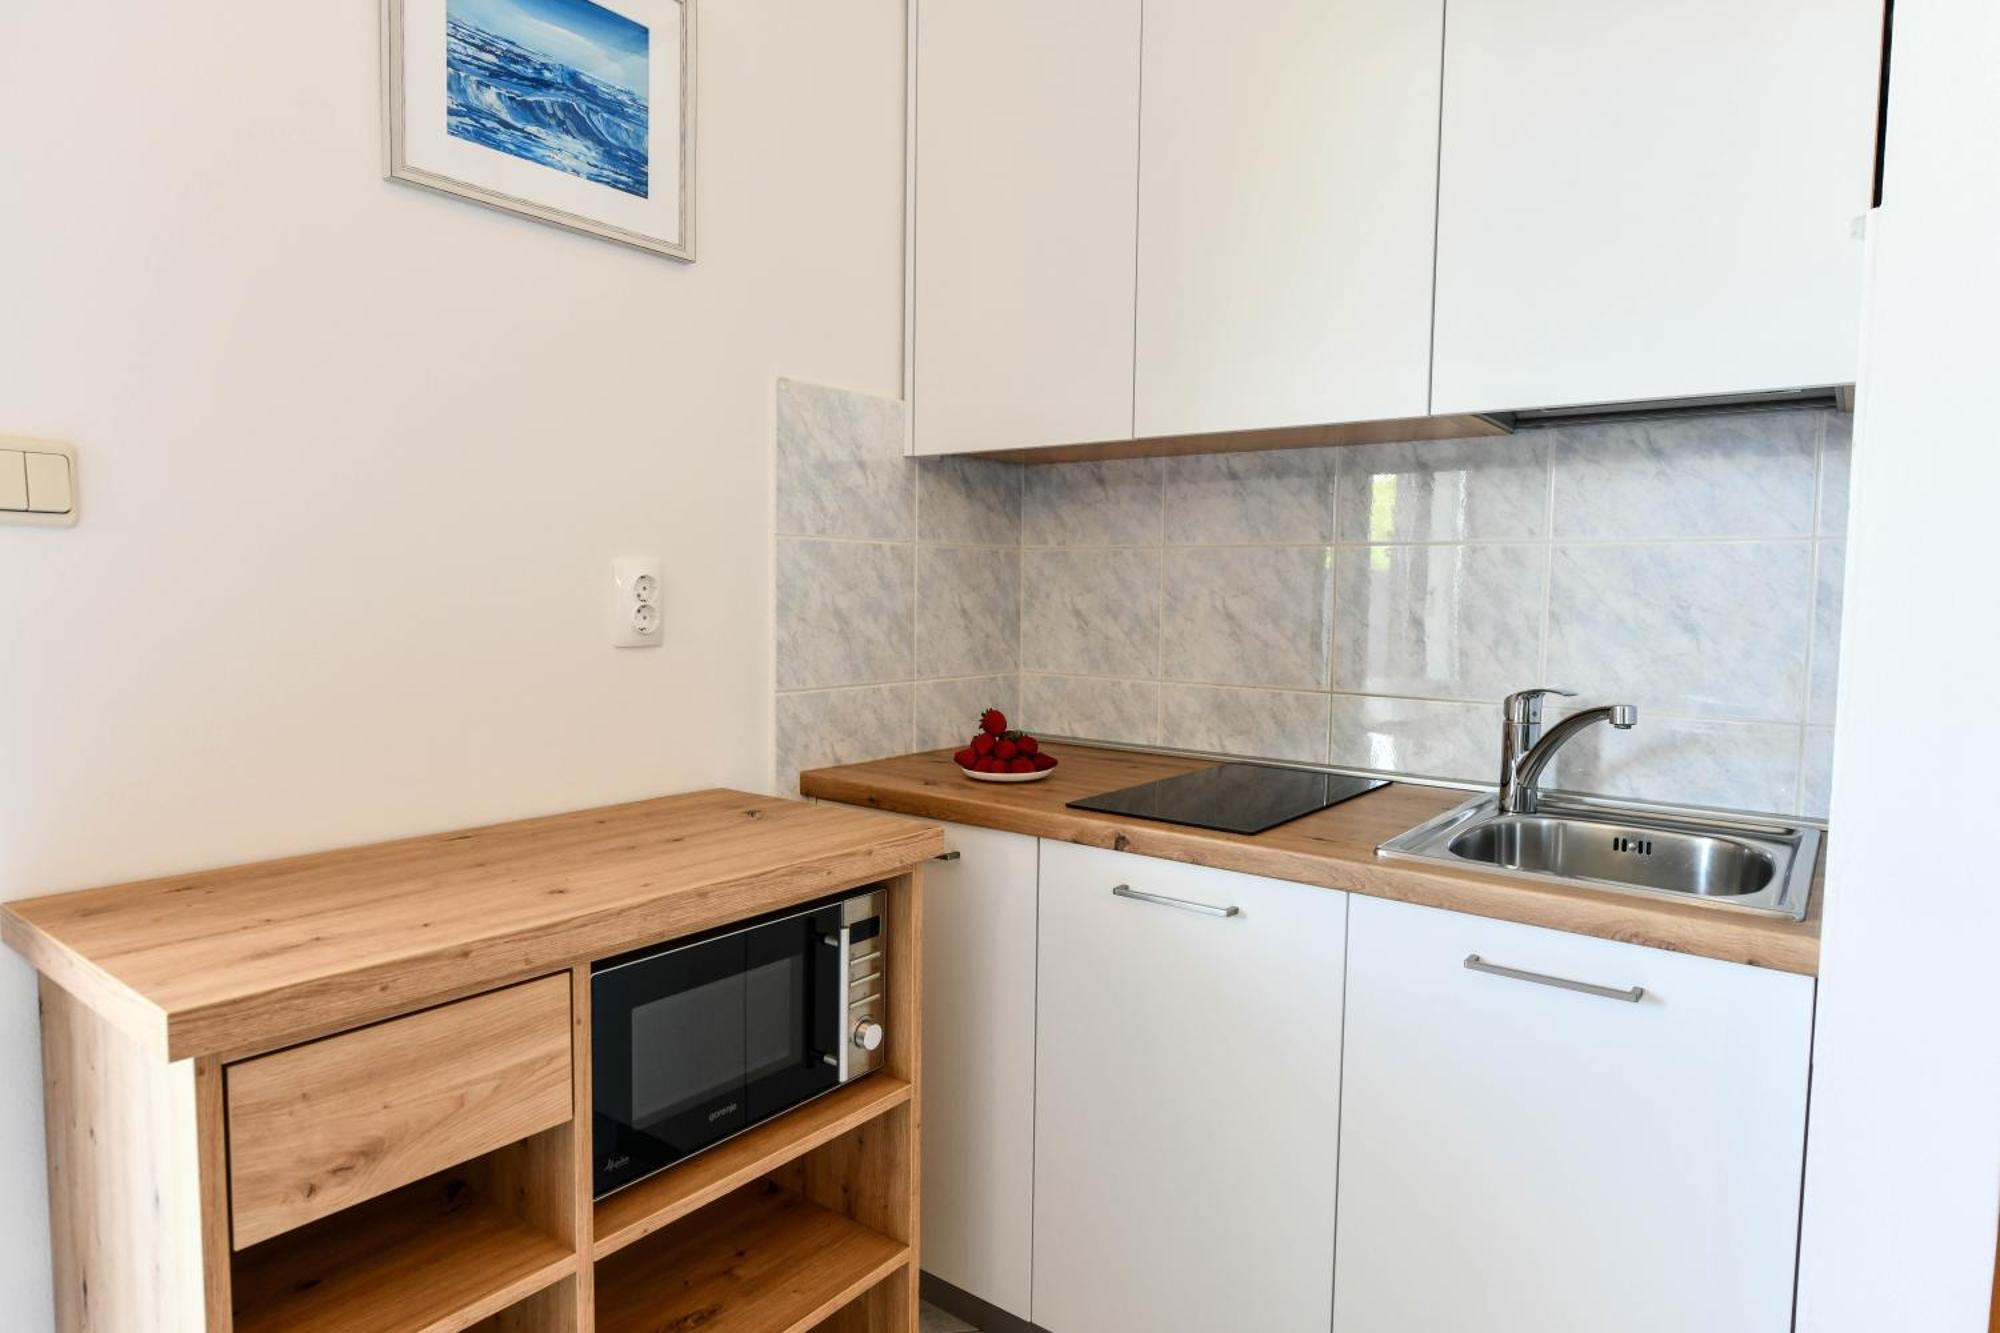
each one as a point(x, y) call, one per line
point(322, 1126)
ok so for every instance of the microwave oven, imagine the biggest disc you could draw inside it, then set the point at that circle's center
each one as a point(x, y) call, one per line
point(694, 1042)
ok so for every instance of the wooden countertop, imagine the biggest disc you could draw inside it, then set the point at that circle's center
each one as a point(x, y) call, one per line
point(227, 962)
point(1334, 848)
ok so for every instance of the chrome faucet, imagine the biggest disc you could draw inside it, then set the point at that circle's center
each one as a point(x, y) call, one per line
point(1525, 751)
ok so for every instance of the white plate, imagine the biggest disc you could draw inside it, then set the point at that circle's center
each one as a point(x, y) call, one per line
point(1004, 777)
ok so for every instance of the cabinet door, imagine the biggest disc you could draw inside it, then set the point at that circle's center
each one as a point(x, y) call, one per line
point(1288, 181)
point(1026, 182)
point(979, 1065)
point(1187, 1099)
point(1651, 200)
point(1520, 1158)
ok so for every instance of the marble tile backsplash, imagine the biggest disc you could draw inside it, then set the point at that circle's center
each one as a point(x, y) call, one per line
point(1370, 606)
point(1363, 606)
point(898, 597)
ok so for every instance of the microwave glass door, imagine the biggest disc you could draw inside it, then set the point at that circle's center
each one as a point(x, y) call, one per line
point(693, 1044)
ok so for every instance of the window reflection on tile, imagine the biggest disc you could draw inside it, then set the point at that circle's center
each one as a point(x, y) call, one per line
point(1457, 622)
point(1444, 490)
point(1422, 737)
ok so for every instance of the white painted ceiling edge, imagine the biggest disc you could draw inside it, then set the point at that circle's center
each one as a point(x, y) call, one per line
point(1903, 1154)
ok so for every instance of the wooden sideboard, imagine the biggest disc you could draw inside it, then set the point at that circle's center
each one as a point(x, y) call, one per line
point(351, 1091)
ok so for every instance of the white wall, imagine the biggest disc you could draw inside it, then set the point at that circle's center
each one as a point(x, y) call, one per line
point(355, 457)
point(1903, 1163)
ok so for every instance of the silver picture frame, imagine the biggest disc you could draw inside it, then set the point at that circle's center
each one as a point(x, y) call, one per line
point(397, 166)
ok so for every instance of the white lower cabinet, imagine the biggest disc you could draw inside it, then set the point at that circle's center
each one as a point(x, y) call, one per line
point(1187, 1098)
point(979, 1065)
point(1516, 1156)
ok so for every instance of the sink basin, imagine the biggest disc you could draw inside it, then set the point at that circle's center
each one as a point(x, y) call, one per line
point(1741, 864)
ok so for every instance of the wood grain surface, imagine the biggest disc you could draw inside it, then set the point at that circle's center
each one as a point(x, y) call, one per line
point(1333, 849)
point(326, 1125)
point(236, 961)
point(436, 1256)
point(762, 1260)
point(126, 1224)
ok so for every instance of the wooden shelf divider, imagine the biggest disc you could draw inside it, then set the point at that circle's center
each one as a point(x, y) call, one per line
point(760, 1260)
point(652, 1205)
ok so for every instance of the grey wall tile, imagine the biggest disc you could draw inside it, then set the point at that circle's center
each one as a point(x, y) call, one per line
point(1816, 773)
point(1830, 583)
point(968, 610)
point(1733, 765)
point(1694, 629)
point(845, 612)
point(1454, 622)
point(1091, 708)
point(1266, 724)
point(1836, 465)
point(1248, 615)
point(1445, 490)
point(823, 727)
point(1284, 495)
point(840, 465)
point(948, 711)
point(969, 501)
point(1416, 736)
point(1092, 504)
point(1091, 612)
point(1747, 475)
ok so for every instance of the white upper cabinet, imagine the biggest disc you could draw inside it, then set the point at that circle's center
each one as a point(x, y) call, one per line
point(1655, 200)
point(1520, 1157)
point(1025, 179)
point(1187, 1098)
point(1287, 184)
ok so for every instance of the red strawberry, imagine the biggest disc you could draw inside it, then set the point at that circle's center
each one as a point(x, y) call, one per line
point(965, 757)
point(1006, 750)
point(1044, 762)
point(993, 722)
point(1021, 763)
point(988, 765)
point(1027, 745)
point(983, 743)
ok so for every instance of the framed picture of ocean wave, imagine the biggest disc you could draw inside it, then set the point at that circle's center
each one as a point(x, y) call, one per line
point(575, 112)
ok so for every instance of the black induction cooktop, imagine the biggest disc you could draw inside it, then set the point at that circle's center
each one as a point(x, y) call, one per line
point(1234, 798)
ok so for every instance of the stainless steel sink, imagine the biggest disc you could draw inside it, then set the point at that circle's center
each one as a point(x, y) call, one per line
point(1737, 863)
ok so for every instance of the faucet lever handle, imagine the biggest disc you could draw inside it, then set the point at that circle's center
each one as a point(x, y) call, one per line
point(1526, 705)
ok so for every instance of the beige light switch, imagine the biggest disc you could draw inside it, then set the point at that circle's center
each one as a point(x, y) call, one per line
point(37, 482)
point(13, 479)
point(49, 491)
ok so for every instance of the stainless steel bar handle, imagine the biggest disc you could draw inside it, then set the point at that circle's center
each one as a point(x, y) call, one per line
point(1161, 900)
point(1632, 996)
point(946, 856)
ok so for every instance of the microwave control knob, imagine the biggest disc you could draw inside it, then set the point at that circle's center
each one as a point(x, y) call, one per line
point(868, 1034)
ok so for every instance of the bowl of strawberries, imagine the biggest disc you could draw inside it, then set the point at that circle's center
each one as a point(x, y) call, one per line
point(1000, 754)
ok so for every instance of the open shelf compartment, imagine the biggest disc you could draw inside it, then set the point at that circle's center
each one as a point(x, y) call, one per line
point(763, 1259)
point(436, 1256)
point(635, 1213)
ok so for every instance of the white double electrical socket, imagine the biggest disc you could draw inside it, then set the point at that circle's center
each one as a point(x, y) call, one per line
point(636, 617)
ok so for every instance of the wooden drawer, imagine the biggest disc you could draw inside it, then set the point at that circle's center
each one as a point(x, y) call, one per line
point(322, 1126)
